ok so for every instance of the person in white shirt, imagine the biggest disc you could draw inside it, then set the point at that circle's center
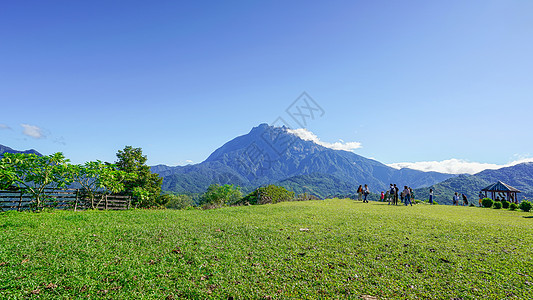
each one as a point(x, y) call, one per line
point(366, 193)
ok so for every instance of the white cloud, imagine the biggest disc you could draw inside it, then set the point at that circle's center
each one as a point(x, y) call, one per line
point(4, 126)
point(307, 135)
point(455, 166)
point(32, 131)
point(188, 161)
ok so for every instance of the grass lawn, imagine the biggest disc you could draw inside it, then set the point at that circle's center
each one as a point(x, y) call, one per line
point(316, 249)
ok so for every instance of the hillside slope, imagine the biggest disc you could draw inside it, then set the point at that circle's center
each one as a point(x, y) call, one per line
point(270, 154)
point(519, 176)
point(6, 149)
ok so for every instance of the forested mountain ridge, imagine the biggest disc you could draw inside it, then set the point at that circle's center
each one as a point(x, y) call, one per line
point(519, 176)
point(270, 154)
point(6, 149)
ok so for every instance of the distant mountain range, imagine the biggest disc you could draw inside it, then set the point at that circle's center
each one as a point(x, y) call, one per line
point(5, 149)
point(270, 154)
point(519, 176)
point(273, 155)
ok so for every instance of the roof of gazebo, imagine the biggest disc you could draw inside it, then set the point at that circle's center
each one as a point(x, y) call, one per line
point(500, 187)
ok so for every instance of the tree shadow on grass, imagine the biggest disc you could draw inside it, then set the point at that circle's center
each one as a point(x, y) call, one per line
point(528, 217)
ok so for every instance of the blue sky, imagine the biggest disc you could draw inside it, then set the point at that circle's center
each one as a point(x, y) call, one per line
point(411, 81)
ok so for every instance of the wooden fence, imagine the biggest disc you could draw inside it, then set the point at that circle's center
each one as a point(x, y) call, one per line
point(15, 199)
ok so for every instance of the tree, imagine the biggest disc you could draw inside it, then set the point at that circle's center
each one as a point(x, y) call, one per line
point(145, 186)
point(178, 201)
point(268, 194)
point(33, 174)
point(96, 176)
point(217, 195)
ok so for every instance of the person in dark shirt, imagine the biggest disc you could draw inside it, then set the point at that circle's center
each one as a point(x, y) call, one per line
point(465, 200)
point(396, 189)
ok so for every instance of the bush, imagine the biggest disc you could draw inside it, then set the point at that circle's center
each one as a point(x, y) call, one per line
point(306, 197)
point(505, 204)
point(268, 194)
point(497, 205)
point(513, 206)
point(472, 205)
point(178, 201)
point(525, 206)
point(487, 202)
point(217, 195)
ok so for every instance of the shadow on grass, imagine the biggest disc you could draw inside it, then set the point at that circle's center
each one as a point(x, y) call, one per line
point(528, 217)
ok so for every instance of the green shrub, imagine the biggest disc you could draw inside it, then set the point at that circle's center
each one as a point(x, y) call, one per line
point(268, 194)
point(220, 195)
point(497, 205)
point(178, 201)
point(505, 204)
point(513, 206)
point(525, 206)
point(487, 202)
point(306, 197)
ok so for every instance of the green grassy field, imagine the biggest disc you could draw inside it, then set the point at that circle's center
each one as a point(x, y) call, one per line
point(305, 250)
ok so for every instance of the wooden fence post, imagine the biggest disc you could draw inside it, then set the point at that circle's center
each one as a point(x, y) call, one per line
point(129, 202)
point(106, 202)
point(20, 201)
point(76, 201)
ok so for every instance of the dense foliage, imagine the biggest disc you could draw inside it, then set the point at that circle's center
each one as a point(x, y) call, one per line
point(525, 206)
point(497, 205)
point(144, 186)
point(96, 177)
point(220, 195)
point(268, 194)
point(306, 197)
point(34, 174)
point(505, 204)
point(175, 201)
point(487, 202)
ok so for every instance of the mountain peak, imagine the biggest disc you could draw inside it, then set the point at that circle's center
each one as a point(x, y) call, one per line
point(269, 154)
point(6, 149)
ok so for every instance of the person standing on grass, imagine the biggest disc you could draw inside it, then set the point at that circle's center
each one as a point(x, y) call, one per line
point(407, 195)
point(396, 190)
point(465, 200)
point(366, 193)
point(455, 199)
point(480, 198)
point(382, 198)
point(430, 196)
point(411, 195)
point(391, 194)
point(360, 192)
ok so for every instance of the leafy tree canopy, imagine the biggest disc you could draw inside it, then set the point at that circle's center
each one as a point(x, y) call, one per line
point(145, 186)
point(33, 174)
point(268, 194)
point(219, 195)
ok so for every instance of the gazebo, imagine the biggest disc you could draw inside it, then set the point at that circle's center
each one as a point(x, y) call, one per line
point(502, 191)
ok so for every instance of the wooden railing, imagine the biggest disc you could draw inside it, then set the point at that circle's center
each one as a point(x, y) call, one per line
point(15, 199)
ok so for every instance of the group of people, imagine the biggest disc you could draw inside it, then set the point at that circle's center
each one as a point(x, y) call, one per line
point(457, 198)
point(393, 195)
point(361, 192)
